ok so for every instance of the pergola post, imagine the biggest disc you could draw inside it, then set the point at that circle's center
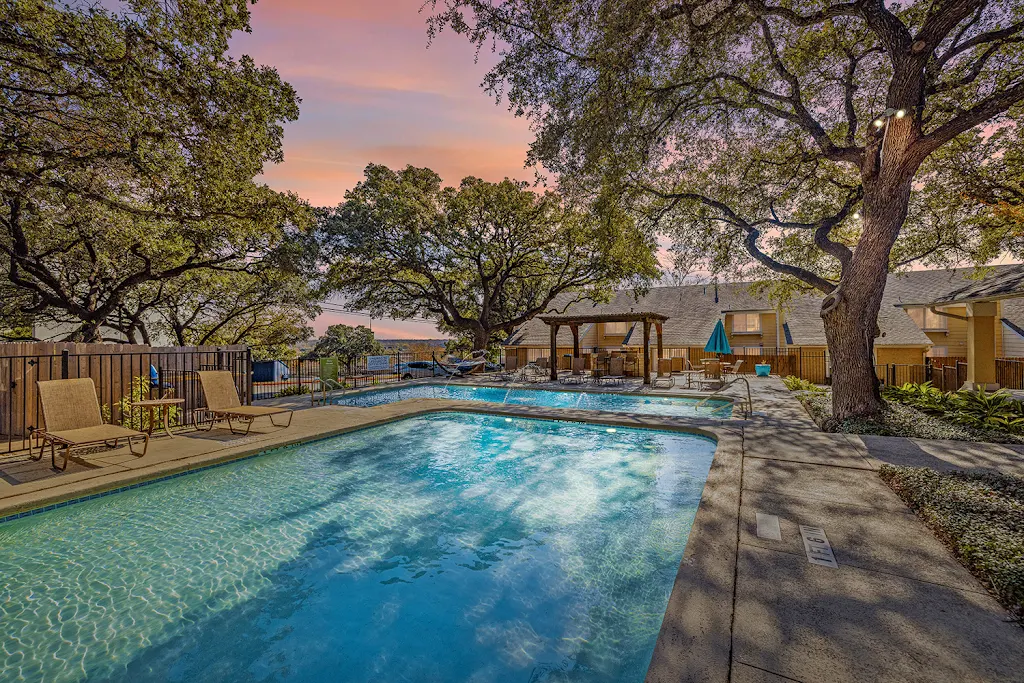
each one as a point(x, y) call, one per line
point(575, 327)
point(553, 361)
point(647, 352)
point(659, 328)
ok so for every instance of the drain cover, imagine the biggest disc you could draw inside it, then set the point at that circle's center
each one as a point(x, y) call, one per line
point(817, 547)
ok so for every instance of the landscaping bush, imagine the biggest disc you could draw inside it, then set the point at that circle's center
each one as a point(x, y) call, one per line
point(997, 411)
point(980, 516)
point(794, 383)
point(293, 390)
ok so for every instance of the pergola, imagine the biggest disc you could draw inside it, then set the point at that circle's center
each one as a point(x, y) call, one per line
point(574, 321)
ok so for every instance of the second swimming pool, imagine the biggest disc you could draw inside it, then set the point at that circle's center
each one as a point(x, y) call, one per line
point(582, 400)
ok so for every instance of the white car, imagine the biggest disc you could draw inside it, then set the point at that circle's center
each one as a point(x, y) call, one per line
point(417, 369)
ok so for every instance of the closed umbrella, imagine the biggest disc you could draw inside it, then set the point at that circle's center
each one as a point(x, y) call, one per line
point(719, 342)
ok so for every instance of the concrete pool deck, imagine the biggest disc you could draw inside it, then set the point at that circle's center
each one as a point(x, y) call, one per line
point(743, 608)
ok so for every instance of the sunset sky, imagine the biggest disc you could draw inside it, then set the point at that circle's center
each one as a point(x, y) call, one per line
point(373, 92)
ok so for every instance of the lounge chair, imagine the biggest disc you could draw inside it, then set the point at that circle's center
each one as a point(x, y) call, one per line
point(615, 371)
point(664, 378)
point(576, 375)
point(223, 404)
point(71, 412)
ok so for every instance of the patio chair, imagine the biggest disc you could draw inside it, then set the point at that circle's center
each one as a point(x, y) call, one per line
point(664, 378)
point(733, 369)
point(223, 404)
point(576, 375)
point(712, 375)
point(511, 370)
point(690, 372)
point(615, 371)
point(71, 413)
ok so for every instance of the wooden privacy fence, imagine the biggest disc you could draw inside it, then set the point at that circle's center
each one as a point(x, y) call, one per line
point(122, 373)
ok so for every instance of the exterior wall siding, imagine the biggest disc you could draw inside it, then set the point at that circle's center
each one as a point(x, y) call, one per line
point(899, 355)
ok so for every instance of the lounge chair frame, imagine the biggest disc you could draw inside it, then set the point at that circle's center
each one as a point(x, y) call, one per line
point(664, 378)
point(71, 410)
point(222, 404)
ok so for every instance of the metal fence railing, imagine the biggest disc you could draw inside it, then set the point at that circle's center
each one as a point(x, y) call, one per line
point(277, 378)
point(121, 377)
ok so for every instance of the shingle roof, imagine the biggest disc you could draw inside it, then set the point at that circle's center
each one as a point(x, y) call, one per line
point(693, 309)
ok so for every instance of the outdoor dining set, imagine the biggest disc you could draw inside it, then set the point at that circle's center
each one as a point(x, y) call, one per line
point(614, 369)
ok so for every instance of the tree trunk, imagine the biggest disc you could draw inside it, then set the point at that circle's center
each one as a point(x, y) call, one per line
point(481, 338)
point(850, 313)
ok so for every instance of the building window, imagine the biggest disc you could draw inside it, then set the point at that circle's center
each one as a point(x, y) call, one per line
point(937, 352)
point(926, 319)
point(746, 323)
point(617, 329)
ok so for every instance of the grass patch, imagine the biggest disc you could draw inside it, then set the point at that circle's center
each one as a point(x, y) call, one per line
point(980, 516)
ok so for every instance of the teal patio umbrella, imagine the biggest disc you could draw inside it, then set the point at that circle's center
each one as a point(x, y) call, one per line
point(719, 342)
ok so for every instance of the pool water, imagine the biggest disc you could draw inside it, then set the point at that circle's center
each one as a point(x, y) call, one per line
point(583, 400)
point(448, 547)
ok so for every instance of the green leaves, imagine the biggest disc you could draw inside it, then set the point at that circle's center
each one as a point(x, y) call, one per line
point(347, 343)
point(129, 146)
point(983, 410)
point(480, 258)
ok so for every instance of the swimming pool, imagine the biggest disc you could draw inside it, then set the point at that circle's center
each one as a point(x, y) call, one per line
point(584, 400)
point(447, 547)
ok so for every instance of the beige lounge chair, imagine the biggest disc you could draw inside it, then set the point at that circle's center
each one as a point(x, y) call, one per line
point(511, 370)
point(223, 404)
point(664, 378)
point(71, 413)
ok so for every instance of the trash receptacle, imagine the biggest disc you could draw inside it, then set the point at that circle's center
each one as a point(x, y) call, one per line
point(762, 369)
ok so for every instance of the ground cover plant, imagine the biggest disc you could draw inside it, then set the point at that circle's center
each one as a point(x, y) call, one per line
point(922, 411)
point(980, 516)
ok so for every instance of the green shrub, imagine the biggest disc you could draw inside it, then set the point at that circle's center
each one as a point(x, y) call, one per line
point(138, 418)
point(794, 383)
point(293, 390)
point(980, 516)
point(995, 411)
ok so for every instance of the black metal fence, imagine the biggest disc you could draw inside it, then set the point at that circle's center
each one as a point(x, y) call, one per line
point(276, 378)
point(121, 378)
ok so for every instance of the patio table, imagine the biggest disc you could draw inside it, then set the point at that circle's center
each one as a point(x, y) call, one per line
point(164, 406)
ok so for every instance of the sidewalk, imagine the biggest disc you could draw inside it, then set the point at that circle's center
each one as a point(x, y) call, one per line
point(898, 608)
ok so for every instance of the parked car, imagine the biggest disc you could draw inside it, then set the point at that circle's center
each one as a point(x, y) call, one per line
point(417, 369)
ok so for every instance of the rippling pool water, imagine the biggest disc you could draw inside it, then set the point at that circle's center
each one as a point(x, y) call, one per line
point(584, 400)
point(448, 547)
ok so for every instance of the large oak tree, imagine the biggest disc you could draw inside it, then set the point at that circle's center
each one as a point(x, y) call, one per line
point(129, 144)
point(786, 134)
point(481, 258)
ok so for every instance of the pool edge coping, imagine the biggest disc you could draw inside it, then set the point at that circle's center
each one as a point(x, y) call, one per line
point(21, 504)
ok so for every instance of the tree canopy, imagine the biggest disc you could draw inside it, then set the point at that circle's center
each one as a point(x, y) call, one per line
point(348, 343)
point(129, 144)
point(481, 258)
point(784, 138)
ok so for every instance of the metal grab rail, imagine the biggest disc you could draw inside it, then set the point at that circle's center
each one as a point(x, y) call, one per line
point(747, 411)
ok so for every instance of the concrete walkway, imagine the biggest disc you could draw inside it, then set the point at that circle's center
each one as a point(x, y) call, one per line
point(899, 607)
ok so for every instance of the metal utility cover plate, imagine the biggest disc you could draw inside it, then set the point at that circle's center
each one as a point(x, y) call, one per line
point(768, 526)
point(817, 547)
